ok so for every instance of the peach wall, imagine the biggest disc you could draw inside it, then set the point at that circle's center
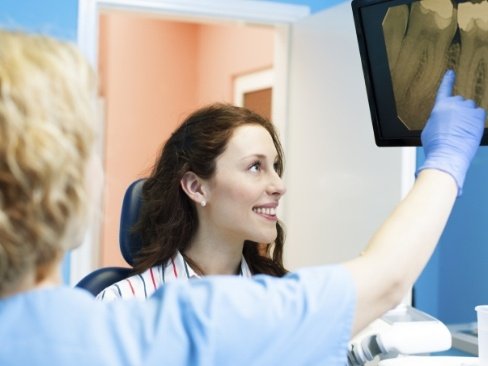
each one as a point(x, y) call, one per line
point(226, 51)
point(149, 83)
point(153, 73)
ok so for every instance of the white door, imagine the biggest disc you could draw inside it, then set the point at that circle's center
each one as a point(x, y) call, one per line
point(340, 185)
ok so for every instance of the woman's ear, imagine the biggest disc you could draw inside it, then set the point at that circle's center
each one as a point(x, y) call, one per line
point(192, 185)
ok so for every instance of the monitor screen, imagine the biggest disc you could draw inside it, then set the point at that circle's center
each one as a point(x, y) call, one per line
point(406, 46)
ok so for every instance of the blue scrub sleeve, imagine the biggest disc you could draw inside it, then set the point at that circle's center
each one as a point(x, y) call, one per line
point(303, 319)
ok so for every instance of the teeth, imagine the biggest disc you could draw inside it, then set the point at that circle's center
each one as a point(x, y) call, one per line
point(265, 211)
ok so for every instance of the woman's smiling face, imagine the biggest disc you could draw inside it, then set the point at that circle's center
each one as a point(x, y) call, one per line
point(244, 193)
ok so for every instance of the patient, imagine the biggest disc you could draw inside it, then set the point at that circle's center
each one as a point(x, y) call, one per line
point(48, 175)
point(209, 206)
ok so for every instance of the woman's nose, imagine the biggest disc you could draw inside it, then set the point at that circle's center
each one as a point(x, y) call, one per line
point(276, 185)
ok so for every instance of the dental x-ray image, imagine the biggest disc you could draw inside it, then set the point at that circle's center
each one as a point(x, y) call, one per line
point(406, 47)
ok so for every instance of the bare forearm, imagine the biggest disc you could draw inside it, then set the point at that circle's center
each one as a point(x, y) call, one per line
point(399, 250)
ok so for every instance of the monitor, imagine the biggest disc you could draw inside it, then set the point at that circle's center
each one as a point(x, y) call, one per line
point(406, 46)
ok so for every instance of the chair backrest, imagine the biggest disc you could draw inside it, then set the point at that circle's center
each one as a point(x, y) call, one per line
point(129, 242)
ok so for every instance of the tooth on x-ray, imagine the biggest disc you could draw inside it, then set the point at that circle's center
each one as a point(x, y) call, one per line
point(472, 72)
point(419, 45)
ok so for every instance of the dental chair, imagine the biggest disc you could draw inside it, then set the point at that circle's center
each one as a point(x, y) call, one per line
point(129, 242)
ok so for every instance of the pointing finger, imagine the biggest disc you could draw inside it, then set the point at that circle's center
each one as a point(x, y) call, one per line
point(445, 88)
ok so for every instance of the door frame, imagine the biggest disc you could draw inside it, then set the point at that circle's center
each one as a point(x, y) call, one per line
point(250, 11)
point(281, 16)
point(257, 80)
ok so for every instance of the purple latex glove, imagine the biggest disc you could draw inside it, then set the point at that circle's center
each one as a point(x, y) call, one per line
point(452, 133)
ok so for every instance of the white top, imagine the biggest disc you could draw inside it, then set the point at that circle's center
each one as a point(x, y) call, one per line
point(145, 284)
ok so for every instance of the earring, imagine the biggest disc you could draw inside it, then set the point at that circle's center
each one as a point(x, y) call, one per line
point(203, 203)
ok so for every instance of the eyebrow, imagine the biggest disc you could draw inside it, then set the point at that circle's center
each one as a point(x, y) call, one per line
point(259, 156)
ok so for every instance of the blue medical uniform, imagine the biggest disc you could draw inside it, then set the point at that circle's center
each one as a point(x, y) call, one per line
point(304, 318)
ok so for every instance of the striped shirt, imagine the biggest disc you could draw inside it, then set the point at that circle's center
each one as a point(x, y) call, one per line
point(145, 284)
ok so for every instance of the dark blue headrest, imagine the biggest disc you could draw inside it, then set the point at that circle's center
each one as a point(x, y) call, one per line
point(130, 242)
point(96, 281)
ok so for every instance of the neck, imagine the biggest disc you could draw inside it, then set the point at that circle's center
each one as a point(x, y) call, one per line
point(214, 258)
point(42, 277)
point(48, 275)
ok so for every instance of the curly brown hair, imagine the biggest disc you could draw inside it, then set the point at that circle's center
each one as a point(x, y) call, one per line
point(46, 114)
point(169, 220)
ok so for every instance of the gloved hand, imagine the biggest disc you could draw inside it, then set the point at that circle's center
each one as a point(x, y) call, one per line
point(452, 133)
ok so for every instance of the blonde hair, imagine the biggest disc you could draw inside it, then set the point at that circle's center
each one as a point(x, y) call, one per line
point(47, 113)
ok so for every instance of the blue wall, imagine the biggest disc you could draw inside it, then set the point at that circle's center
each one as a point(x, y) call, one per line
point(456, 278)
point(53, 17)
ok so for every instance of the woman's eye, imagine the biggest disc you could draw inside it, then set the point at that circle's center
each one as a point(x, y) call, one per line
point(255, 167)
point(276, 167)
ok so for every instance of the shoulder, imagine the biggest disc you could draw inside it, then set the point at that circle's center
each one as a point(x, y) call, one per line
point(310, 306)
point(100, 333)
point(329, 288)
point(332, 278)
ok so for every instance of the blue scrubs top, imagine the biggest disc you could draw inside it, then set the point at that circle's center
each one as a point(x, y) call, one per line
point(304, 318)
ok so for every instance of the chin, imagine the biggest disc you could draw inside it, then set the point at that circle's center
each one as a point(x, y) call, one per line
point(266, 238)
